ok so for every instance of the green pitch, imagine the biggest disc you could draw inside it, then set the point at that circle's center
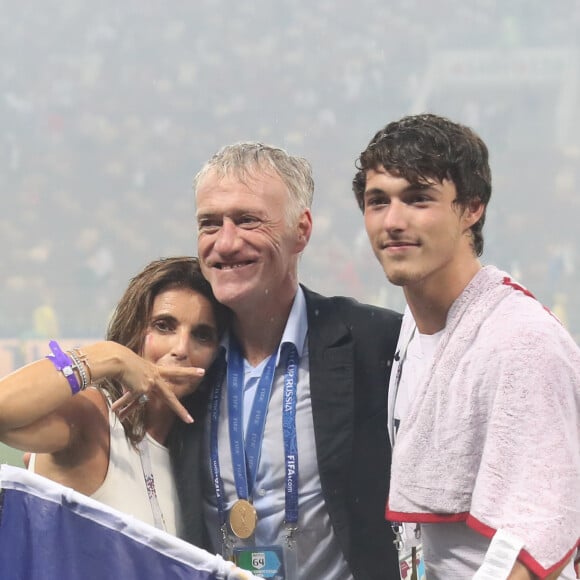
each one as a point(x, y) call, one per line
point(11, 456)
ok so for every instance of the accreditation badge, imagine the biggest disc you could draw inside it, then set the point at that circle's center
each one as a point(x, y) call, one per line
point(262, 561)
point(410, 551)
point(411, 564)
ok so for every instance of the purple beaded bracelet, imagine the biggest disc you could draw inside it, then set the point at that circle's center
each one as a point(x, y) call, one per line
point(63, 363)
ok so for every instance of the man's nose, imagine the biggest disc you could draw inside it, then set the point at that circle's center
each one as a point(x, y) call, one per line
point(395, 218)
point(227, 237)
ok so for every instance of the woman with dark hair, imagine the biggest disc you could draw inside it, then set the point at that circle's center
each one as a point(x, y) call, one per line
point(97, 419)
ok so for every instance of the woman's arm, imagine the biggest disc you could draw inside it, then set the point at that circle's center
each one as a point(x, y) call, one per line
point(72, 444)
point(39, 412)
point(74, 421)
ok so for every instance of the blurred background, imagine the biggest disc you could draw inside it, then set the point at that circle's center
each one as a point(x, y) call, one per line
point(108, 110)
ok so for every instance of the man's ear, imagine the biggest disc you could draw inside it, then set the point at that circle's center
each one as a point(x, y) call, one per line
point(472, 213)
point(304, 227)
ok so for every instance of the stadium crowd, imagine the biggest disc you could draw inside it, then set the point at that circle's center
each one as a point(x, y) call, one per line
point(108, 111)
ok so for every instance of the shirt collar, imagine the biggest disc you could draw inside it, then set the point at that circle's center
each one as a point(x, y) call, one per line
point(294, 332)
point(296, 325)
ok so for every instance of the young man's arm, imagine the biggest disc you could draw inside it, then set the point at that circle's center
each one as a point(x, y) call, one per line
point(502, 554)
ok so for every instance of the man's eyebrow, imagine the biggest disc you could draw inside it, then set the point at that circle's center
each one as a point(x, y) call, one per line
point(205, 215)
point(411, 188)
point(374, 191)
point(231, 214)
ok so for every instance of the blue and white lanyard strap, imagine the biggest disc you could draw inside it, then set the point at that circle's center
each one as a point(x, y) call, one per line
point(145, 457)
point(214, 455)
point(246, 455)
point(290, 441)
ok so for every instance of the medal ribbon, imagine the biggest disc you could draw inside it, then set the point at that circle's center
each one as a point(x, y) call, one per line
point(246, 457)
point(289, 427)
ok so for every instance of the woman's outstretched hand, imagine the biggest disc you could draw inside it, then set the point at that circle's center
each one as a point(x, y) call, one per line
point(143, 380)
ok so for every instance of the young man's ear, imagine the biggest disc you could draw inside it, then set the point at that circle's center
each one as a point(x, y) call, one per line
point(473, 212)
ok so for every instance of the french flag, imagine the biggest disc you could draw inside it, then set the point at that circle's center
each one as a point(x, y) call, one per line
point(50, 532)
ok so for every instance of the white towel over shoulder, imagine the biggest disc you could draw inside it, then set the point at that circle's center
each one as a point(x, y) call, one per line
point(493, 435)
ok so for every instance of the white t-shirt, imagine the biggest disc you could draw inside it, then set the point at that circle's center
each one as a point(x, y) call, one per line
point(417, 358)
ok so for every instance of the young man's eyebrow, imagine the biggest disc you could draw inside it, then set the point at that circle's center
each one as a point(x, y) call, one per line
point(411, 188)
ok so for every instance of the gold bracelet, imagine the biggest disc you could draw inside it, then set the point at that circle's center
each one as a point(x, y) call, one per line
point(83, 358)
point(81, 370)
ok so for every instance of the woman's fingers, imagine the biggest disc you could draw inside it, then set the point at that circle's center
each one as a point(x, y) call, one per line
point(183, 380)
point(126, 402)
point(163, 389)
point(173, 402)
point(163, 381)
point(172, 379)
point(180, 375)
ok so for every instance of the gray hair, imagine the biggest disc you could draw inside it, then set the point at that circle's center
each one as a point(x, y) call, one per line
point(242, 160)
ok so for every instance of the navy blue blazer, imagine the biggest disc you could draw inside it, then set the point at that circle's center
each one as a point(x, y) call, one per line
point(351, 348)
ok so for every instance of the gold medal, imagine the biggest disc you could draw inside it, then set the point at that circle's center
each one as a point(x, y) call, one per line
point(243, 519)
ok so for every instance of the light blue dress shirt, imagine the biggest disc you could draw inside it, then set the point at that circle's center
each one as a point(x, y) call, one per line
point(318, 551)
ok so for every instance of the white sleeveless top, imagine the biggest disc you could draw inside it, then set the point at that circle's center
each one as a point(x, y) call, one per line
point(124, 485)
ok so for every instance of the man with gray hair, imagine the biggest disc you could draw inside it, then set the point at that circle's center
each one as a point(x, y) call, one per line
point(292, 441)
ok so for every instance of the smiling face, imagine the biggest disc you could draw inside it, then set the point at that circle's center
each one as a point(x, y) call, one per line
point(416, 231)
point(247, 248)
point(182, 329)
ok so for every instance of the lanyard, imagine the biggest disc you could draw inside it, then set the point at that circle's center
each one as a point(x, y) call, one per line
point(145, 457)
point(246, 454)
point(397, 527)
point(290, 441)
point(214, 455)
point(399, 372)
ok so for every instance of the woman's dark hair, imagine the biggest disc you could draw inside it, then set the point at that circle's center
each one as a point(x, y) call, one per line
point(130, 320)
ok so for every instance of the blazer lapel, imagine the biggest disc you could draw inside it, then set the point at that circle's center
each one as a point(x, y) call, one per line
point(331, 353)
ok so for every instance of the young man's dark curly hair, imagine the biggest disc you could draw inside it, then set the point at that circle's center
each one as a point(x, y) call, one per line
point(426, 148)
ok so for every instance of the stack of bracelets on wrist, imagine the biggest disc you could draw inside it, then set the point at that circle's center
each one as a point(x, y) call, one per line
point(67, 363)
point(81, 357)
